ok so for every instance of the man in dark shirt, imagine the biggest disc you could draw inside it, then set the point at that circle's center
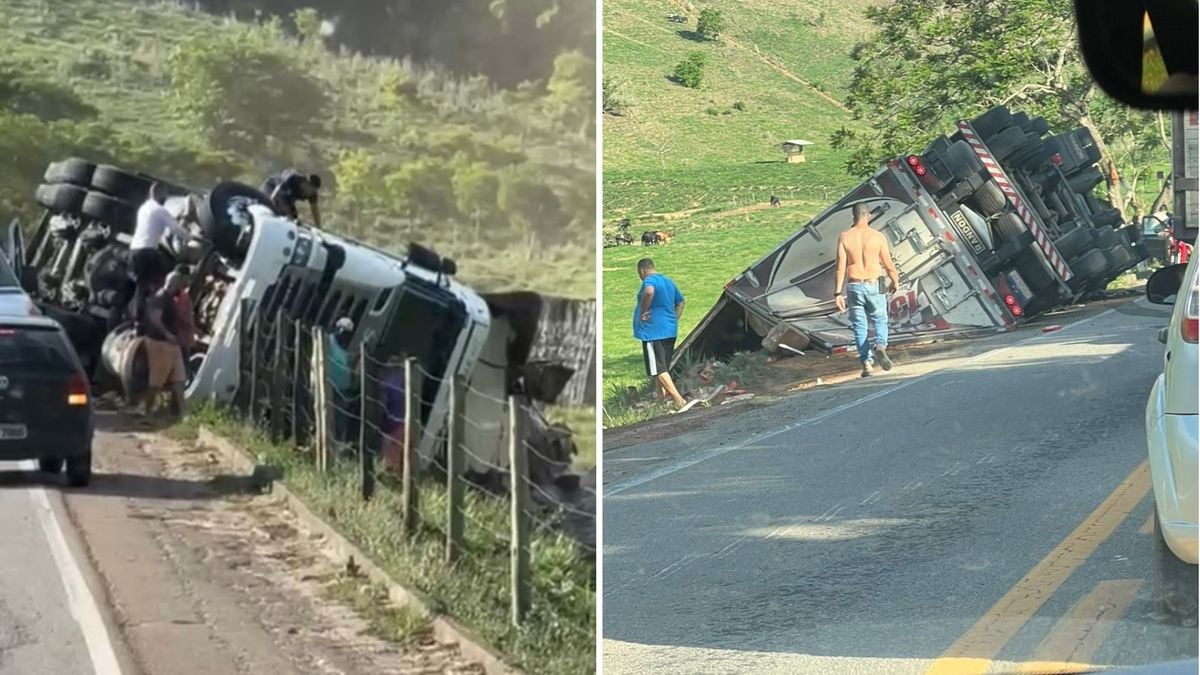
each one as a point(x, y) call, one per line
point(290, 187)
point(157, 324)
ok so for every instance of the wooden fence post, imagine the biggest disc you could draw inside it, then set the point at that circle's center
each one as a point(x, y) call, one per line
point(454, 469)
point(298, 387)
point(252, 406)
point(323, 408)
point(518, 477)
point(412, 436)
point(366, 460)
point(277, 379)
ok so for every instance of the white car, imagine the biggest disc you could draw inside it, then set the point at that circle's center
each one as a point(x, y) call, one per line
point(1173, 417)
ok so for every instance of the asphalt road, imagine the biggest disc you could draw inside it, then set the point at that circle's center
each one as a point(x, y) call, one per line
point(169, 565)
point(979, 512)
point(47, 612)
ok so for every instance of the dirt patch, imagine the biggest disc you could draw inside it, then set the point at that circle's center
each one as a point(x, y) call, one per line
point(792, 375)
point(208, 574)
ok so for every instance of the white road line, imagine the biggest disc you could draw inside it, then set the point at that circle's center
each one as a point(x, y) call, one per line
point(674, 467)
point(79, 596)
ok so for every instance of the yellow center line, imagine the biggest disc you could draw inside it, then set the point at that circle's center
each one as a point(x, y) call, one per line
point(1148, 526)
point(1078, 634)
point(973, 652)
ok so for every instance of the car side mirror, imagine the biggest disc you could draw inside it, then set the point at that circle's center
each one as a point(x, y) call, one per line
point(1164, 285)
point(1141, 52)
point(1163, 333)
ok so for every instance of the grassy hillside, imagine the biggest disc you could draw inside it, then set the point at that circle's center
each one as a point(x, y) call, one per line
point(502, 180)
point(710, 158)
point(777, 73)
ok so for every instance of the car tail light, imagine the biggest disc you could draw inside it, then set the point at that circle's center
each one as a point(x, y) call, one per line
point(1190, 326)
point(917, 166)
point(77, 390)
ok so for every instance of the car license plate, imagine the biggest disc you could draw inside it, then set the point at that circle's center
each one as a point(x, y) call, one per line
point(12, 432)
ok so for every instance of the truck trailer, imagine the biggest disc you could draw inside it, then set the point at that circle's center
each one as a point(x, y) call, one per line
point(988, 226)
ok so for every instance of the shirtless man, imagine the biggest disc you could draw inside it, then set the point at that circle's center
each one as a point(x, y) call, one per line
point(862, 258)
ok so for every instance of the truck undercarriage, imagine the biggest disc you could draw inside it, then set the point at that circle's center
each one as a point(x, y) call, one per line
point(988, 227)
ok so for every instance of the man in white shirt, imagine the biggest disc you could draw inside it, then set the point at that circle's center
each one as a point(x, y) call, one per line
point(153, 221)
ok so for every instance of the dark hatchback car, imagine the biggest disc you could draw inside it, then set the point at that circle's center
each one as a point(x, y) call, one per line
point(45, 399)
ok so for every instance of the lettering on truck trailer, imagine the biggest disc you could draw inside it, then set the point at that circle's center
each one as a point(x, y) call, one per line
point(967, 232)
point(993, 168)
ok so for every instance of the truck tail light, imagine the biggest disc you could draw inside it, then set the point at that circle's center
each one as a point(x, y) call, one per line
point(917, 167)
point(1056, 159)
point(77, 390)
point(1013, 306)
point(1190, 326)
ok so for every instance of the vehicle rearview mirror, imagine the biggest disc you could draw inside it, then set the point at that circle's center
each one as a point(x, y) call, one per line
point(1142, 52)
point(1164, 285)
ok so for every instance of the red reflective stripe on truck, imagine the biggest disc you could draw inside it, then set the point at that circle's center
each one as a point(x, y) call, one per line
point(997, 174)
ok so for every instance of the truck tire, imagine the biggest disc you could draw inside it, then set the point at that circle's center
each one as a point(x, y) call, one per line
point(120, 184)
point(1089, 266)
point(1006, 143)
point(1107, 218)
point(1010, 227)
point(989, 199)
point(116, 213)
point(1035, 157)
point(1074, 242)
point(1021, 119)
point(72, 171)
point(1031, 269)
point(992, 121)
point(1039, 126)
point(962, 161)
point(1141, 251)
point(215, 210)
point(1085, 181)
point(1105, 237)
point(61, 198)
point(1121, 258)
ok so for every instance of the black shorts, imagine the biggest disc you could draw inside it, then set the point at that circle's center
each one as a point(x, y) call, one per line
point(657, 356)
point(148, 266)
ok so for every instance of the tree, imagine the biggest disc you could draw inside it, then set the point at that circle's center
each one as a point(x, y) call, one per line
point(243, 89)
point(532, 207)
point(475, 192)
point(421, 189)
point(690, 71)
point(572, 90)
point(711, 24)
point(930, 63)
point(359, 185)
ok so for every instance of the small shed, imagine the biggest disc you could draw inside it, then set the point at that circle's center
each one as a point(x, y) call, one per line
point(794, 150)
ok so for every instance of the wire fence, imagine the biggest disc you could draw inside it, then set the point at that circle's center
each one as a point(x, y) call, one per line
point(402, 424)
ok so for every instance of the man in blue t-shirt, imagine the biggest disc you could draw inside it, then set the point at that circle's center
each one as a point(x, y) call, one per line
point(656, 325)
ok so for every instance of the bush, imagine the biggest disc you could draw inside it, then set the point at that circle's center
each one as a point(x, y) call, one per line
point(710, 24)
point(739, 106)
point(713, 111)
point(611, 101)
point(690, 71)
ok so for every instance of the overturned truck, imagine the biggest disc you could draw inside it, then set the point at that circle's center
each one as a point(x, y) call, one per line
point(253, 260)
point(988, 227)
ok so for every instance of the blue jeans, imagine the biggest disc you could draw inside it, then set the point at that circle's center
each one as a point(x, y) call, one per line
point(864, 300)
